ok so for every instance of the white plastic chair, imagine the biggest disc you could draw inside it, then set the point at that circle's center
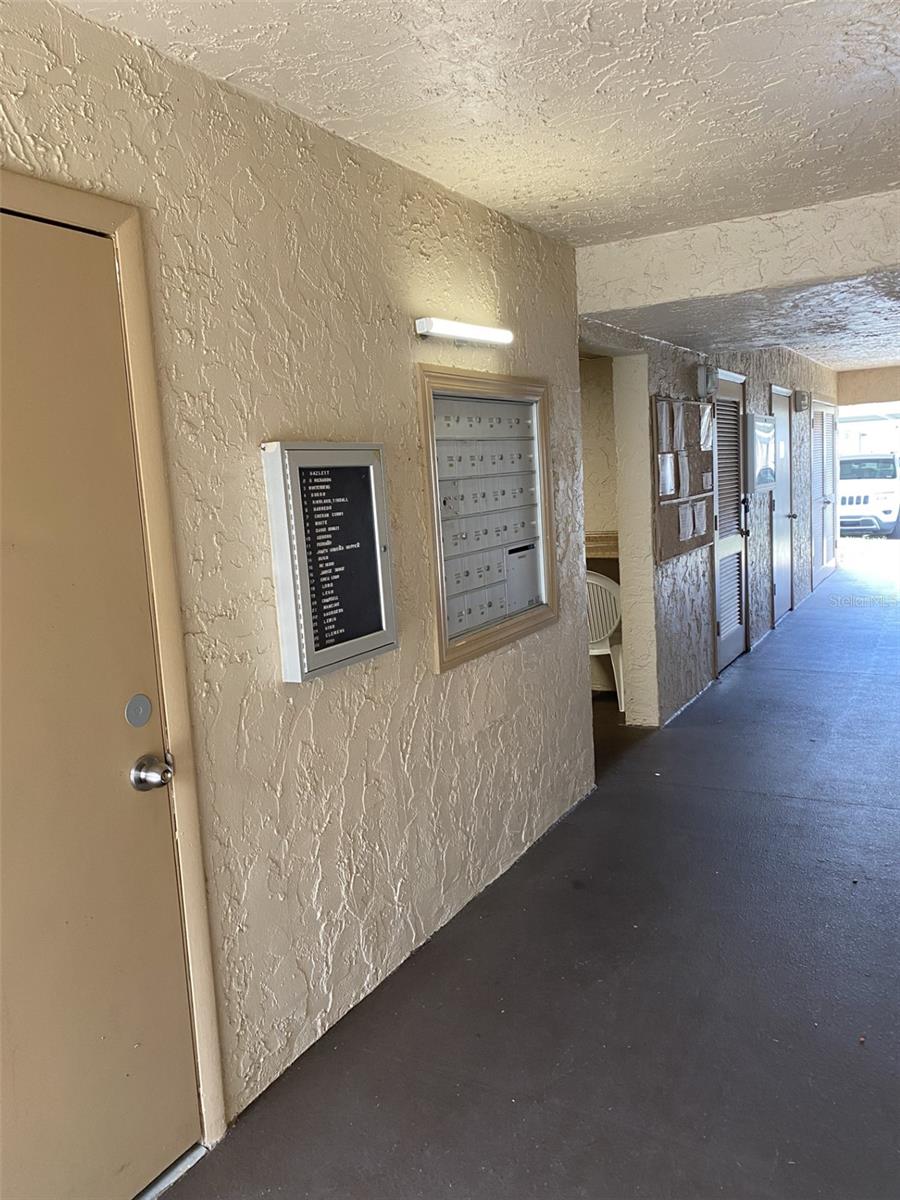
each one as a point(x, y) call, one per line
point(604, 615)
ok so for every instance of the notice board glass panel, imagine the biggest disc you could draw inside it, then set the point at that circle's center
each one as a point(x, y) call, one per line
point(330, 554)
point(494, 547)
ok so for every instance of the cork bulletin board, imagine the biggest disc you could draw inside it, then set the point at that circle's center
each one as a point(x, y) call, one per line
point(683, 451)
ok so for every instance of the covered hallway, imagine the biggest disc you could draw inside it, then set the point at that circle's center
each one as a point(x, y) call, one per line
point(687, 989)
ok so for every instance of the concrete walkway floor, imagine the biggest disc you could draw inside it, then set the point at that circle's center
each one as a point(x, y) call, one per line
point(688, 989)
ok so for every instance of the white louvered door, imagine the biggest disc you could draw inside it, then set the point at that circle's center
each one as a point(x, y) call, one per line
point(730, 541)
point(824, 487)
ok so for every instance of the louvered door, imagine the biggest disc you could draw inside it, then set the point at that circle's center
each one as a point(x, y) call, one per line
point(730, 542)
point(824, 548)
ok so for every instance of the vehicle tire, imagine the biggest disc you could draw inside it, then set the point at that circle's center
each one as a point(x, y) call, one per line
point(895, 532)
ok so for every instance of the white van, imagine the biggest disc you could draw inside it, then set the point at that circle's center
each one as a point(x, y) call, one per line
point(869, 494)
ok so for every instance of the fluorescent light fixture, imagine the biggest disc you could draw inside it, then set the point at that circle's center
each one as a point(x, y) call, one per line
point(459, 331)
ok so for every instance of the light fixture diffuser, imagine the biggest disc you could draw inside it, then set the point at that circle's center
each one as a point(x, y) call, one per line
point(461, 331)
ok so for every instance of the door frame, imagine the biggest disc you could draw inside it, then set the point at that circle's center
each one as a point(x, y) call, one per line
point(27, 196)
point(822, 405)
point(787, 394)
point(729, 377)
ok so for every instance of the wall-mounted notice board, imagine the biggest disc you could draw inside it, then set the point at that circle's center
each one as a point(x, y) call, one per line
point(683, 448)
point(330, 554)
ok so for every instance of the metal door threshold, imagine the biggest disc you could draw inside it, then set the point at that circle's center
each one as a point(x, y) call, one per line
point(172, 1174)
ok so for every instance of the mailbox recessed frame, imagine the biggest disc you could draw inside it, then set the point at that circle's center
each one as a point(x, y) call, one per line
point(470, 385)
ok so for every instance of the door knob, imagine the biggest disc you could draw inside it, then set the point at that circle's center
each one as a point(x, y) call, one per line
point(792, 516)
point(150, 772)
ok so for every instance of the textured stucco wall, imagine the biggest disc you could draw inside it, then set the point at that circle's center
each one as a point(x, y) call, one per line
point(347, 819)
point(681, 620)
point(684, 614)
point(598, 440)
point(877, 386)
point(683, 585)
point(836, 240)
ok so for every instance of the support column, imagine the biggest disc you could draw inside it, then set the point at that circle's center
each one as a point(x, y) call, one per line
point(631, 405)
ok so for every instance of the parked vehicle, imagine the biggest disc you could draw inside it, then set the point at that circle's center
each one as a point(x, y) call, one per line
point(869, 493)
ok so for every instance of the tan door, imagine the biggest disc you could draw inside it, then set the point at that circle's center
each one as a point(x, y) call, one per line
point(99, 1091)
point(824, 489)
point(783, 515)
point(729, 522)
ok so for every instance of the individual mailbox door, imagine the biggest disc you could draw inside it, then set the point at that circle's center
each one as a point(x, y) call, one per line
point(464, 573)
point(522, 524)
point(450, 538)
point(493, 457)
point(495, 491)
point(472, 459)
point(456, 615)
point(476, 532)
point(493, 566)
point(472, 496)
point(450, 498)
point(450, 459)
point(495, 601)
point(516, 455)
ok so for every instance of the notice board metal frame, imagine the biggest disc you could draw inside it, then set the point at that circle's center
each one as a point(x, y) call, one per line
point(448, 382)
point(300, 660)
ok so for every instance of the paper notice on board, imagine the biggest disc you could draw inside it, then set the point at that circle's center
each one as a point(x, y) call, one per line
point(666, 474)
point(663, 426)
point(685, 522)
point(699, 507)
point(707, 481)
point(678, 442)
point(706, 426)
point(684, 473)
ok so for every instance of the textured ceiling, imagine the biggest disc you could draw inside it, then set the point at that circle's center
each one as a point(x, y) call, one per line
point(846, 324)
point(590, 121)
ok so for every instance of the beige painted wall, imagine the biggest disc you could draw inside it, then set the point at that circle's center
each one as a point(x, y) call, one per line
point(347, 819)
point(874, 386)
point(598, 441)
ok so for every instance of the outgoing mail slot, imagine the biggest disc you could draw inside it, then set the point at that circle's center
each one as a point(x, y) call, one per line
point(523, 577)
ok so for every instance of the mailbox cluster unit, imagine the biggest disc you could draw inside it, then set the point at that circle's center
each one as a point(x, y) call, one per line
point(490, 505)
